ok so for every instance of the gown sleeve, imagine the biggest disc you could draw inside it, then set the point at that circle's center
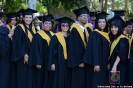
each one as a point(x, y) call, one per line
point(123, 50)
point(74, 55)
point(18, 50)
point(4, 41)
point(52, 52)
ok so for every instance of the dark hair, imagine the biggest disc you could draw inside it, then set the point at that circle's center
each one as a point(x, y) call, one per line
point(59, 26)
point(97, 27)
point(8, 20)
point(120, 31)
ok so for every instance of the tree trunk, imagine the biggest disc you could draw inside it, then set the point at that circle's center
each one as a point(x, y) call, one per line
point(126, 8)
point(105, 5)
point(32, 4)
point(113, 3)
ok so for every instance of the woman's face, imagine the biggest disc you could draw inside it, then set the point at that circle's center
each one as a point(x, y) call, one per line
point(102, 23)
point(64, 27)
point(47, 25)
point(27, 19)
point(114, 29)
point(13, 21)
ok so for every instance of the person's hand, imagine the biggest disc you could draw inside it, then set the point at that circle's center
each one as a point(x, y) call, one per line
point(38, 66)
point(96, 68)
point(82, 65)
point(11, 33)
point(26, 58)
point(53, 67)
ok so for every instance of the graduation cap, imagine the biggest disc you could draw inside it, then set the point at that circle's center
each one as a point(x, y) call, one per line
point(20, 12)
point(46, 18)
point(11, 15)
point(119, 12)
point(93, 14)
point(130, 22)
point(83, 10)
point(101, 15)
point(117, 20)
point(64, 20)
point(28, 11)
point(2, 14)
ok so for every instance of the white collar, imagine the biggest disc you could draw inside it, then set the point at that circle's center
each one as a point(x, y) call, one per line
point(82, 27)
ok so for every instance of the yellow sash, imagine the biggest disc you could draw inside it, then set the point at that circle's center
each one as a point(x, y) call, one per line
point(115, 42)
point(78, 28)
point(62, 42)
point(104, 34)
point(8, 27)
point(30, 36)
point(130, 42)
point(45, 36)
point(88, 25)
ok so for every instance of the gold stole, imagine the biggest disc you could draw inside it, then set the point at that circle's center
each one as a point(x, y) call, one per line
point(62, 41)
point(30, 36)
point(45, 36)
point(115, 42)
point(130, 42)
point(104, 34)
point(88, 25)
point(8, 27)
point(78, 28)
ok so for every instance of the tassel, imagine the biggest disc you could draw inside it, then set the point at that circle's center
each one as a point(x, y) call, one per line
point(42, 26)
point(89, 19)
point(4, 24)
point(57, 28)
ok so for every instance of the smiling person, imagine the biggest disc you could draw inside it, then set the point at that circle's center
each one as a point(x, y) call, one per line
point(21, 44)
point(97, 52)
point(128, 28)
point(57, 57)
point(5, 50)
point(76, 46)
point(39, 52)
point(119, 48)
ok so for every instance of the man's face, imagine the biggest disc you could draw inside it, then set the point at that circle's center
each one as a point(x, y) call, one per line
point(129, 29)
point(83, 18)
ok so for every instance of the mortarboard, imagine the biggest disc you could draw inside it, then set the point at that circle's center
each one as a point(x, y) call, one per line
point(28, 11)
point(64, 20)
point(117, 20)
point(11, 15)
point(46, 18)
point(119, 12)
point(83, 10)
point(101, 15)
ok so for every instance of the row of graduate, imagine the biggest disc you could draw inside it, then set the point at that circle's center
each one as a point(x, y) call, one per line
point(75, 57)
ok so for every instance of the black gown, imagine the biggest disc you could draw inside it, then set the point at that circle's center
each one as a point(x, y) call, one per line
point(121, 49)
point(76, 51)
point(130, 63)
point(59, 77)
point(38, 56)
point(97, 53)
point(21, 45)
point(5, 58)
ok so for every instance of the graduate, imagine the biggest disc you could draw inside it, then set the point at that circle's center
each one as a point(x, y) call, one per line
point(39, 52)
point(93, 18)
point(2, 18)
point(130, 60)
point(97, 53)
point(20, 15)
point(128, 28)
point(120, 13)
point(5, 51)
point(57, 57)
point(36, 24)
point(76, 46)
point(118, 49)
point(21, 45)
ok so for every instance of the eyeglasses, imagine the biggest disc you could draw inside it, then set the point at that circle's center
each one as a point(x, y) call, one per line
point(65, 25)
point(84, 16)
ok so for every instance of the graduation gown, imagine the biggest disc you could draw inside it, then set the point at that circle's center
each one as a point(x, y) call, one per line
point(5, 58)
point(59, 77)
point(76, 48)
point(21, 46)
point(38, 56)
point(120, 47)
point(130, 61)
point(97, 53)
